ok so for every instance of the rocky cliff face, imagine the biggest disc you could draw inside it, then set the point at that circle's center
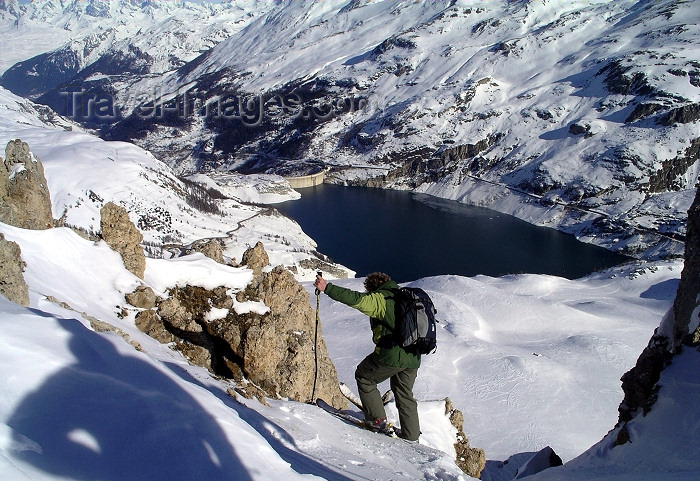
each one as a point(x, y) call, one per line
point(12, 284)
point(686, 306)
point(25, 203)
point(679, 330)
point(275, 354)
point(24, 194)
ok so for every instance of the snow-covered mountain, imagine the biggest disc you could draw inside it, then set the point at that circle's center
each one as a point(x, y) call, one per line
point(531, 360)
point(114, 48)
point(52, 41)
point(579, 115)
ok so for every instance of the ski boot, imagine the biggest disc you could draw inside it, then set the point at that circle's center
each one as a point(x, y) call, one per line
point(381, 426)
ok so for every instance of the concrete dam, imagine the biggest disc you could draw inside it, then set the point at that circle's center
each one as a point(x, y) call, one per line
point(307, 180)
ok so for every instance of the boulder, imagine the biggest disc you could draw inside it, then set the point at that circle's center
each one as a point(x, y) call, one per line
point(24, 193)
point(580, 129)
point(122, 235)
point(143, 297)
point(12, 284)
point(149, 322)
point(286, 345)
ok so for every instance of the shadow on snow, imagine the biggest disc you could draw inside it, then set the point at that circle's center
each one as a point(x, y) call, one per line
point(114, 417)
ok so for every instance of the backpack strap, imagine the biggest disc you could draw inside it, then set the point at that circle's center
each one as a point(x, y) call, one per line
point(389, 340)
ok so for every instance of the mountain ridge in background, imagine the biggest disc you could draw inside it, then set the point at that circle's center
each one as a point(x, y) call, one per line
point(577, 115)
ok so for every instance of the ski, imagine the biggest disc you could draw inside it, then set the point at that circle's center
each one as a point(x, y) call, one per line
point(340, 414)
point(347, 392)
point(346, 416)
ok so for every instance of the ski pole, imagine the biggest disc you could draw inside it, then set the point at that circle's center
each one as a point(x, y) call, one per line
point(313, 391)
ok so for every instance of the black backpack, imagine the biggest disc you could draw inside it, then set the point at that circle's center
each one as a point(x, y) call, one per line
point(416, 327)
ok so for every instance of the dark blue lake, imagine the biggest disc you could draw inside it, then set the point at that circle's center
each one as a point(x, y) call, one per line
point(410, 236)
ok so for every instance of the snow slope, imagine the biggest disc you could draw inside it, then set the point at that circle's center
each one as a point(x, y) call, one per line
point(530, 360)
point(663, 443)
point(85, 404)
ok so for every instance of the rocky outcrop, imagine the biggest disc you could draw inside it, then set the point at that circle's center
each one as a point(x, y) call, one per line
point(468, 151)
point(24, 194)
point(686, 306)
point(12, 284)
point(122, 236)
point(263, 338)
point(643, 110)
point(470, 460)
point(682, 115)
point(679, 328)
point(256, 258)
point(620, 79)
point(282, 344)
point(671, 175)
point(210, 248)
point(580, 129)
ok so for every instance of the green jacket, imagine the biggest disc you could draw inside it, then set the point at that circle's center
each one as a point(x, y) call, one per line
point(381, 313)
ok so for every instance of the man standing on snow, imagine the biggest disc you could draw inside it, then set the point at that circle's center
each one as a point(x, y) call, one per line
point(388, 361)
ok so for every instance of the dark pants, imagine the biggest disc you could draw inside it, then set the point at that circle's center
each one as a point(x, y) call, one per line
point(368, 374)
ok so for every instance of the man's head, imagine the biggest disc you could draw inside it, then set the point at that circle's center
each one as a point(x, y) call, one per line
point(375, 280)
